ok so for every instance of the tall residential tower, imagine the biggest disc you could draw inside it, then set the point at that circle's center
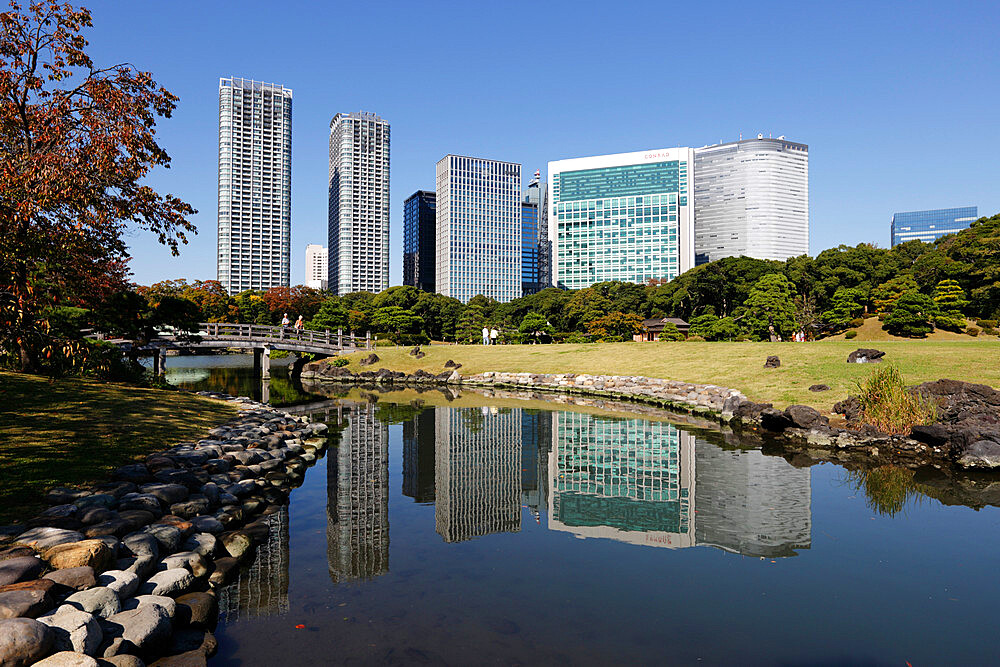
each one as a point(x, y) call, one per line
point(255, 184)
point(478, 228)
point(751, 197)
point(316, 266)
point(359, 203)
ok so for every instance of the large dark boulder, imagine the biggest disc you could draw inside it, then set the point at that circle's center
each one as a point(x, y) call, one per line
point(850, 407)
point(803, 416)
point(980, 454)
point(370, 359)
point(775, 420)
point(865, 355)
point(934, 435)
point(452, 364)
point(819, 387)
point(772, 362)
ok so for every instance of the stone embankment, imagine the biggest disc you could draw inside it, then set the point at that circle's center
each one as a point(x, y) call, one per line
point(968, 437)
point(128, 572)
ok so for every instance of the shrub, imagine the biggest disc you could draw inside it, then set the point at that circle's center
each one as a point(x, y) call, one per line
point(339, 362)
point(989, 331)
point(888, 405)
point(856, 322)
point(987, 324)
point(742, 338)
point(280, 354)
point(695, 339)
point(851, 334)
point(670, 332)
point(972, 331)
point(577, 338)
point(384, 342)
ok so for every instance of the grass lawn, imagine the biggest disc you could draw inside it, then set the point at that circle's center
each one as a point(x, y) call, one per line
point(736, 365)
point(69, 432)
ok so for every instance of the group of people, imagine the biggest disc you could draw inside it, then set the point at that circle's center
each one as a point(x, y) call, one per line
point(489, 336)
point(299, 324)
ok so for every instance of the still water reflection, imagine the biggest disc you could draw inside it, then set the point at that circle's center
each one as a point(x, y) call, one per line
point(467, 529)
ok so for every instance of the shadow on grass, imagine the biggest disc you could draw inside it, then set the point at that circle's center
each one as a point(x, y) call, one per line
point(72, 432)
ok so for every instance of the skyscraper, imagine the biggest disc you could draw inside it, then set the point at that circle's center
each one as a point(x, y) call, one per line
point(316, 266)
point(358, 203)
point(623, 217)
point(533, 238)
point(478, 228)
point(930, 225)
point(419, 222)
point(255, 184)
point(751, 197)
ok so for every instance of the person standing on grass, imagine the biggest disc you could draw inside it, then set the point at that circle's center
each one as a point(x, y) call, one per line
point(486, 336)
point(493, 336)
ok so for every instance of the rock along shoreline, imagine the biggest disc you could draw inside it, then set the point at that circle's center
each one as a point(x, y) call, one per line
point(128, 572)
point(967, 435)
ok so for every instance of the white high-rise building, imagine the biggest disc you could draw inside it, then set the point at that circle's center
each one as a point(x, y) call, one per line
point(359, 203)
point(255, 184)
point(316, 266)
point(626, 217)
point(751, 197)
point(478, 249)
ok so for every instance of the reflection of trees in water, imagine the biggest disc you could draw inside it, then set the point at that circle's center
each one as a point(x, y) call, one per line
point(887, 488)
point(241, 381)
point(262, 588)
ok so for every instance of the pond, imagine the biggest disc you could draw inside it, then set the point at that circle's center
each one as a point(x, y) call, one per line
point(462, 528)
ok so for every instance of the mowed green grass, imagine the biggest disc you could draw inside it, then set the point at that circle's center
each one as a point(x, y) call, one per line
point(71, 432)
point(736, 365)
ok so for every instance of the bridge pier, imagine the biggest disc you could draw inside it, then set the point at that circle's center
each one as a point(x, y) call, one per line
point(160, 362)
point(262, 362)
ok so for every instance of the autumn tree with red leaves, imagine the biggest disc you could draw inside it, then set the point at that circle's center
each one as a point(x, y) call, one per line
point(76, 142)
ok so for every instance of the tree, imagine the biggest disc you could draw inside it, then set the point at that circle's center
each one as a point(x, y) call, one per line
point(585, 306)
point(331, 315)
point(884, 296)
point(395, 321)
point(845, 307)
point(725, 328)
point(470, 325)
point(615, 326)
point(702, 325)
point(533, 325)
point(911, 315)
point(949, 299)
point(76, 143)
point(770, 308)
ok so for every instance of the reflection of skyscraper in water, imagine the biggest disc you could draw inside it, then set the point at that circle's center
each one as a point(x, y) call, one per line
point(625, 479)
point(357, 511)
point(752, 504)
point(477, 472)
point(262, 589)
point(536, 440)
point(418, 457)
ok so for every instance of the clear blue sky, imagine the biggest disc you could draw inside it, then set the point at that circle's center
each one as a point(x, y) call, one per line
point(898, 101)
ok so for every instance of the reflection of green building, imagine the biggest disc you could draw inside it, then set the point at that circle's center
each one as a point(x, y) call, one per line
point(625, 479)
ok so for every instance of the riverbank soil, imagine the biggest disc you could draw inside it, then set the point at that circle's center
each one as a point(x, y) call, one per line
point(735, 365)
point(72, 431)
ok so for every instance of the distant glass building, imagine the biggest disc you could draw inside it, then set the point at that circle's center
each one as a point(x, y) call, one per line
point(419, 223)
point(930, 225)
point(529, 248)
point(627, 217)
point(751, 198)
point(358, 203)
point(255, 185)
point(479, 218)
point(540, 250)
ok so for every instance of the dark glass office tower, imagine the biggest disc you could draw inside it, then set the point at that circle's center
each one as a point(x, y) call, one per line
point(418, 240)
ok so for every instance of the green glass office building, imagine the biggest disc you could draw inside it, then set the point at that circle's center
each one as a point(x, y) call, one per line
point(626, 217)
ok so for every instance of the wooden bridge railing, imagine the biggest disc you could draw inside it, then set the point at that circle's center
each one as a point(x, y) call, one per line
point(326, 338)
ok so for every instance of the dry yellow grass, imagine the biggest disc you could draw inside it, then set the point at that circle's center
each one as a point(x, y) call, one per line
point(737, 365)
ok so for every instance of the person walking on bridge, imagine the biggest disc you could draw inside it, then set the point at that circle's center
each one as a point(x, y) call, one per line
point(299, 326)
point(284, 324)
